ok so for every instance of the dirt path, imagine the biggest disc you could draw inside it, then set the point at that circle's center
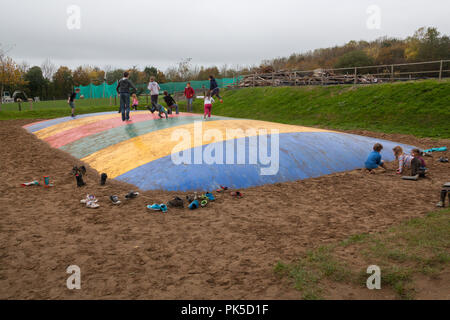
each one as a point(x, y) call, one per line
point(224, 251)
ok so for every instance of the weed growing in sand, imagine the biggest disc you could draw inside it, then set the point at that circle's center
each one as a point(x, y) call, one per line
point(417, 246)
point(307, 272)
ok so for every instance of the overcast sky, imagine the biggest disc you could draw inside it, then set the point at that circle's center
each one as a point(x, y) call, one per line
point(123, 33)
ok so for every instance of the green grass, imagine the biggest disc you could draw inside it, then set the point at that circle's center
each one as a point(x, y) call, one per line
point(60, 108)
point(54, 109)
point(418, 246)
point(419, 108)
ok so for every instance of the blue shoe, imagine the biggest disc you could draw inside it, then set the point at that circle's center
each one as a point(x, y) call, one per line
point(210, 196)
point(163, 207)
point(155, 207)
point(194, 205)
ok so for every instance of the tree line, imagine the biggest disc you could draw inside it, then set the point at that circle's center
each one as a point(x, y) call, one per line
point(426, 44)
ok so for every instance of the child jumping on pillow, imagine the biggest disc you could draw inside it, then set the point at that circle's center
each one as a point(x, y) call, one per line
point(159, 108)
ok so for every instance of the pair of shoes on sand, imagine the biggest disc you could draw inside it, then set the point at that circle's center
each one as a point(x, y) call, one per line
point(78, 172)
point(131, 195)
point(194, 203)
point(90, 201)
point(236, 194)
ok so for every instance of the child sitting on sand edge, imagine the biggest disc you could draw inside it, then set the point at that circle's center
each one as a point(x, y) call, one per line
point(374, 159)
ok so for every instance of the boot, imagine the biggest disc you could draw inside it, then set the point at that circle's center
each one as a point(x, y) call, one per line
point(80, 181)
point(103, 179)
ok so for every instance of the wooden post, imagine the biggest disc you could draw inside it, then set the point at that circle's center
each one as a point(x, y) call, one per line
point(273, 79)
point(392, 73)
point(440, 71)
point(295, 78)
point(31, 103)
point(356, 75)
point(20, 106)
point(254, 78)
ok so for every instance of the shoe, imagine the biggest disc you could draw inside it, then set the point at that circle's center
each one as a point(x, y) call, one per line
point(154, 207)
point(204, 203)
point(210, 196)
point(103, 179)
point(176, 202)
point(114, 199)
point(194, 205)
point(221, 189)
point(442, 159)
point(163, 207)
point(236, 194)
point(131, 195)
point(92, 204)
point(440, 204)
point(89, 198)
point(80, 181)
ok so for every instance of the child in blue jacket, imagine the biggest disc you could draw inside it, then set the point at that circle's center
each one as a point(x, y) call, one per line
point(374, 159)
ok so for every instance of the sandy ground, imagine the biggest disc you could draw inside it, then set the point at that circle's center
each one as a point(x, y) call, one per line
point(224, 251)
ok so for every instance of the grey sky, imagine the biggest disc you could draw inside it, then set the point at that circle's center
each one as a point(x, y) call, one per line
point(123, 33)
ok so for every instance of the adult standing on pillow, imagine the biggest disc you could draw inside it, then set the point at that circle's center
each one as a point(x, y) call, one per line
point(154, 88)
point(123, 88)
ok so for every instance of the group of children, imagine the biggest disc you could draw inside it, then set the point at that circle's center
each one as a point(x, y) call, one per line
point(123, 89)
point(189, 94)
point(413, 162)
point(171, 103)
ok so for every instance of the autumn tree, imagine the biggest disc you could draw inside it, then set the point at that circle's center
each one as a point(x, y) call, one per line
point(427, 44)
point(114, 75)
point(354, 59)
point(96, 75)
point(10, 75)
point(36, 81)
point(63, 82)
point(81, 76)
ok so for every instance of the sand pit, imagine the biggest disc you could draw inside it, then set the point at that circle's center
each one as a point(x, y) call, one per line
point(224, 251)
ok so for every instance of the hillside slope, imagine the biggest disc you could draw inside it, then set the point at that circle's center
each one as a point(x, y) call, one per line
point(418, 108)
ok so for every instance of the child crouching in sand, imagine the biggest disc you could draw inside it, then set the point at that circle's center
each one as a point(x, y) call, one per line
point(374, 159)
point(418, 166)
point(404, 159)
point(208, 104)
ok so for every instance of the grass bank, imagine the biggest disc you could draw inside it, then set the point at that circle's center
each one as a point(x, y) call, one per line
point(420, 108)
